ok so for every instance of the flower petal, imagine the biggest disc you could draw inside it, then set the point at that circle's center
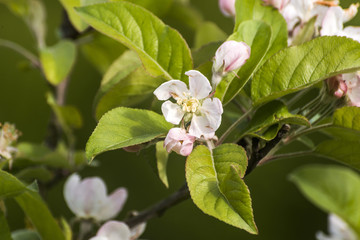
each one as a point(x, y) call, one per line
point(332, 24)
point(200, 125)
point(172, 88)
point(352, 32)
point(70, 190)
point(137, 231)
point(113, 205)
point(199, 85)
point(172, 112)
point(114, 230)
point(212, 109)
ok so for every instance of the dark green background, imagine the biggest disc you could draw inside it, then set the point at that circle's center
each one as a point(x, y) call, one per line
point(281, 212)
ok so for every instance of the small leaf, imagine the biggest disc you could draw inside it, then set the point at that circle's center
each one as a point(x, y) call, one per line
point(226, 197)
point(255, 10)
point(36, 173)
point(162, 157)
point(123, 127)
point(257, 35)
point(299, 67)
point(209, 32)
point(334, 189)
point(9, 185)
point(67, 229)
point(162, 49)
point(58, 60)
point(25, 234)
point(347, 117)
point(4, 228)
point(75, 19)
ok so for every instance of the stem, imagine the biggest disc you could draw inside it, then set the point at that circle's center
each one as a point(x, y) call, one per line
point(307, 131)
point(232, 127)
point(19, 49)
point(297, 97)
point(160, 208)
point(283, 156)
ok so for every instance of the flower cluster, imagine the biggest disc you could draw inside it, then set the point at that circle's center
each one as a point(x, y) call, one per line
point(88, 199)
point(195, 110)
point(8, 137)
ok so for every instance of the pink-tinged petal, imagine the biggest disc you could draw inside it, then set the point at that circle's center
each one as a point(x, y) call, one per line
point(137, 231)
point(172, 112)
point(351, 79)
point(279, 4)
point(70, 189)
point(199, 85)
point(291, 16)
point(227, 7)
point(320, 12)
point(186, 147)
point(354, 95)
point(303, 7)
point(114, 230)
point(332, 24)
point(91, 194)
point(212, 109)
point(352, 32)
point(113, 205)
point(172, 88)
point(99, 238)
point(179, 141)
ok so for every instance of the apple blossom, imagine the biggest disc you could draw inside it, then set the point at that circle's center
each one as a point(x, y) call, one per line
point(8, 136)
point(279, 4)
point(88, 198)
point(338, 229)
point(229, 56)
point(179, 141)
point(115, 230)
point(194, 103)
point(337, 86)
point(352, 81)
point(227, 7)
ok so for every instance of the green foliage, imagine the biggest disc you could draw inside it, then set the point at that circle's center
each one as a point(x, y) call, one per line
point(158, 7)
point(306, 33)
point(257, 35)
point(25, 234)
point(255, 10)
point(4, 228)
point(209, 32)
point(216, 185)
point(75, 19)
point(162, 157)
point(162, 49)
point(302, 66)
point(58, 60)
point(32, 205)
point(126, 83)
point(40, 174)
point(334, 189)
point(347, 117)
point(123, 127)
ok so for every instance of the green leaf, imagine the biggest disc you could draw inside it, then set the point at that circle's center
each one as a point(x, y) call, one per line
point(35, 173)
point(298, 67)
point(205, 54)
point(209, 32)
point(33, 13)
point(75, 19)
point(255, 10)
point(158, 7)
point(126, 83)
point(268, 119)
point(162, 157)
point(123, 127)
point(257, 35)
point(306, 32)
point(162, 49)
point(102, 51)
point(58, 60)
point(347, 117)
point(221, 194)
point(334, 189)
point(32, 205)
point(4, 228)
point(25, 234)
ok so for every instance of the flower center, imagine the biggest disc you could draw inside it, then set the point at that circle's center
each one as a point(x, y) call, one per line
point(189, 104)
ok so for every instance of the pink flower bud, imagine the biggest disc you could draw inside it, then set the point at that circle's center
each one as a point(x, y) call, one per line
point(227, 7)
point(230, 55)
point(179, 141)
point(279, 4)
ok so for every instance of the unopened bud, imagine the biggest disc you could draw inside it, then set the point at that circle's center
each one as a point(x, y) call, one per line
point(230, 55)
point(227, 7)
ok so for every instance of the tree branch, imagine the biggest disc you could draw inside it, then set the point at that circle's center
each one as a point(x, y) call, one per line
point(160, 208)
point(258, 154)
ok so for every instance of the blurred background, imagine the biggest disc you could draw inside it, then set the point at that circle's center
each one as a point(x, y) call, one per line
point(281, 212)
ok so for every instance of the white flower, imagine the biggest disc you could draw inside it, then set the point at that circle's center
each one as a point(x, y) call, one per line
point(114, 230)
point(88, 198)
point(227, 7)
point(8, 136)
point(229, 56)
point(205, 113)
point(180, 141)
point(338, 230)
